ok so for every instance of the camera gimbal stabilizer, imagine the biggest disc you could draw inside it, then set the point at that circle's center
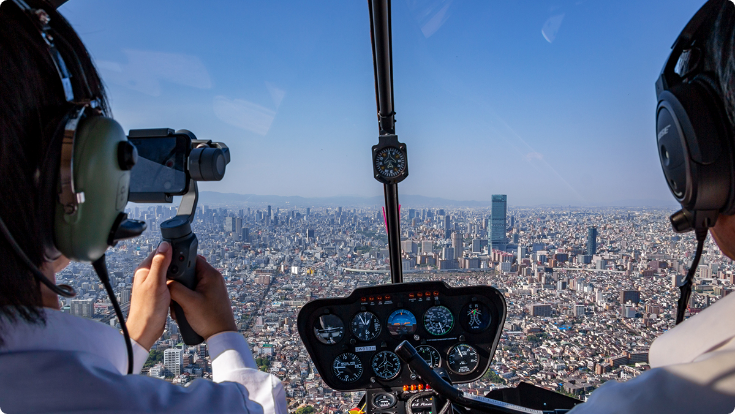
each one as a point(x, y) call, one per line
point(206, 162)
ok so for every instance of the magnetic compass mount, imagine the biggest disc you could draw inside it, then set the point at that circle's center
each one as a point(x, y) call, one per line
point(390, 160)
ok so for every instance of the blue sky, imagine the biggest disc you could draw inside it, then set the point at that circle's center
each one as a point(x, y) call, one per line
point(546, 101)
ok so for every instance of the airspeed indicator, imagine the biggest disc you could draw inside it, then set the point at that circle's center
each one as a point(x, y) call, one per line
point(438, 320)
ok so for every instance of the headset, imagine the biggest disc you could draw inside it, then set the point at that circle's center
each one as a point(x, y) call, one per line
point(92, 181)
point(693, 133)
point(694, 139)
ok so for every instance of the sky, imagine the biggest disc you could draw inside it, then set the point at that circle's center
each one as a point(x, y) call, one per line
point(549, 102)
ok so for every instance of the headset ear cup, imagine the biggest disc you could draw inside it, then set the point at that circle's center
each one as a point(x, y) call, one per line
point(704, 147)
point(721, 130)
point(83, 235)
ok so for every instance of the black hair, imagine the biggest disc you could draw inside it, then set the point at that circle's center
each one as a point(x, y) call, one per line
point(32, 111)
point(720, 56)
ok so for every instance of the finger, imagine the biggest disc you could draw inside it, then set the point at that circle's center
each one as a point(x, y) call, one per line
point(203, 269)
point(161, 261)
point(173, 314)
point(146, 263)
point(202, 257)
point(182, 294)
point(141, 273)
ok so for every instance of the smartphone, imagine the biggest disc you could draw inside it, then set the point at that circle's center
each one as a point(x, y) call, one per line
point(161, 167)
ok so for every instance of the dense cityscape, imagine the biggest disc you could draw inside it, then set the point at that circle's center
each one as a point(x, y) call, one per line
point(588, 289)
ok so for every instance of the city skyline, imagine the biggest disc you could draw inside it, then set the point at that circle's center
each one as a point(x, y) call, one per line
point(557, 293)
point(224, 198)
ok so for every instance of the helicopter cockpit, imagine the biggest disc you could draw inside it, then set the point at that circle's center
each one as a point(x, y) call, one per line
point(404, 344)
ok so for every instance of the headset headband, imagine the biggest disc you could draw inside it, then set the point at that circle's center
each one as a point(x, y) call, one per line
point(68, 196)
point(668, 75)
point(40, 19)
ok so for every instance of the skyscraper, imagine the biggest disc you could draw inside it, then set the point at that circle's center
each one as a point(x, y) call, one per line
point(457, 245)
point(591, 241)
point(496, 229)
point(230, 224)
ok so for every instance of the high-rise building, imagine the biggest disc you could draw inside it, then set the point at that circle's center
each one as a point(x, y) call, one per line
point(173, 360)
point(539, 309)
point(409, 247)
point(630, 296)
point(496, 230)
point(476, 245)
point(448, 253)
point(125, 296)
point(82, 307)
point(245, 234)
point(229, 224)
point(457, 245)
point(427, 246)
point(591, 241)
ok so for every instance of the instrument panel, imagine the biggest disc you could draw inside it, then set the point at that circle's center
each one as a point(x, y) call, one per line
point(351, 339)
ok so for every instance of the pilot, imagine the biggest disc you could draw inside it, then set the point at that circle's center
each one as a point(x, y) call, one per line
point(51, 361)
point(693, 365)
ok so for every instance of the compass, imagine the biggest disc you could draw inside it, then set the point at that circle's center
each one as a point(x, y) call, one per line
point(390, 160)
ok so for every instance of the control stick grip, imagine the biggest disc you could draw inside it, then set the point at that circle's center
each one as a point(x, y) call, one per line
point(408, 355)
point(183, 270)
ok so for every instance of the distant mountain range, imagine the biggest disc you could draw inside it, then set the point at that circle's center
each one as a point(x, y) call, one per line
point(415, 201)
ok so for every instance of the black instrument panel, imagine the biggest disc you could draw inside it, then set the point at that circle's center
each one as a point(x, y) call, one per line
point(351, 339)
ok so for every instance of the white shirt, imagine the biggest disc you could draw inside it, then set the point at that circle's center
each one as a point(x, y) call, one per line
point(693, 370)
point(78, 365)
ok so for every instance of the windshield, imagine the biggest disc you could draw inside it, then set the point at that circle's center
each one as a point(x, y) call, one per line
point(550, 104)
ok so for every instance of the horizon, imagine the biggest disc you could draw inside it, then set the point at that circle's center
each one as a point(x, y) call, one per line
point(658, 204)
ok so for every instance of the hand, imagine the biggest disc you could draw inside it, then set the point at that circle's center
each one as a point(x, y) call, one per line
point(150, 299)
point(207, 308)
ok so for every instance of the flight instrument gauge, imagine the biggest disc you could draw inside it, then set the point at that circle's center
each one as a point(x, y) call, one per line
point(366, 326)
point(438, 320)
point(462, 359)
point(475, 317)
point(401, 322)
point(386, 365)
point(430, 355)
point(390, 160)
point(329, 329)
point(347, 367)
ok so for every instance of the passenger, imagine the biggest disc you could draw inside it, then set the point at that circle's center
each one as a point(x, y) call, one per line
point(51, 361)
point(694, 363)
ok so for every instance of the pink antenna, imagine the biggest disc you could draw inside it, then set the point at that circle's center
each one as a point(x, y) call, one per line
point(385, 219)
